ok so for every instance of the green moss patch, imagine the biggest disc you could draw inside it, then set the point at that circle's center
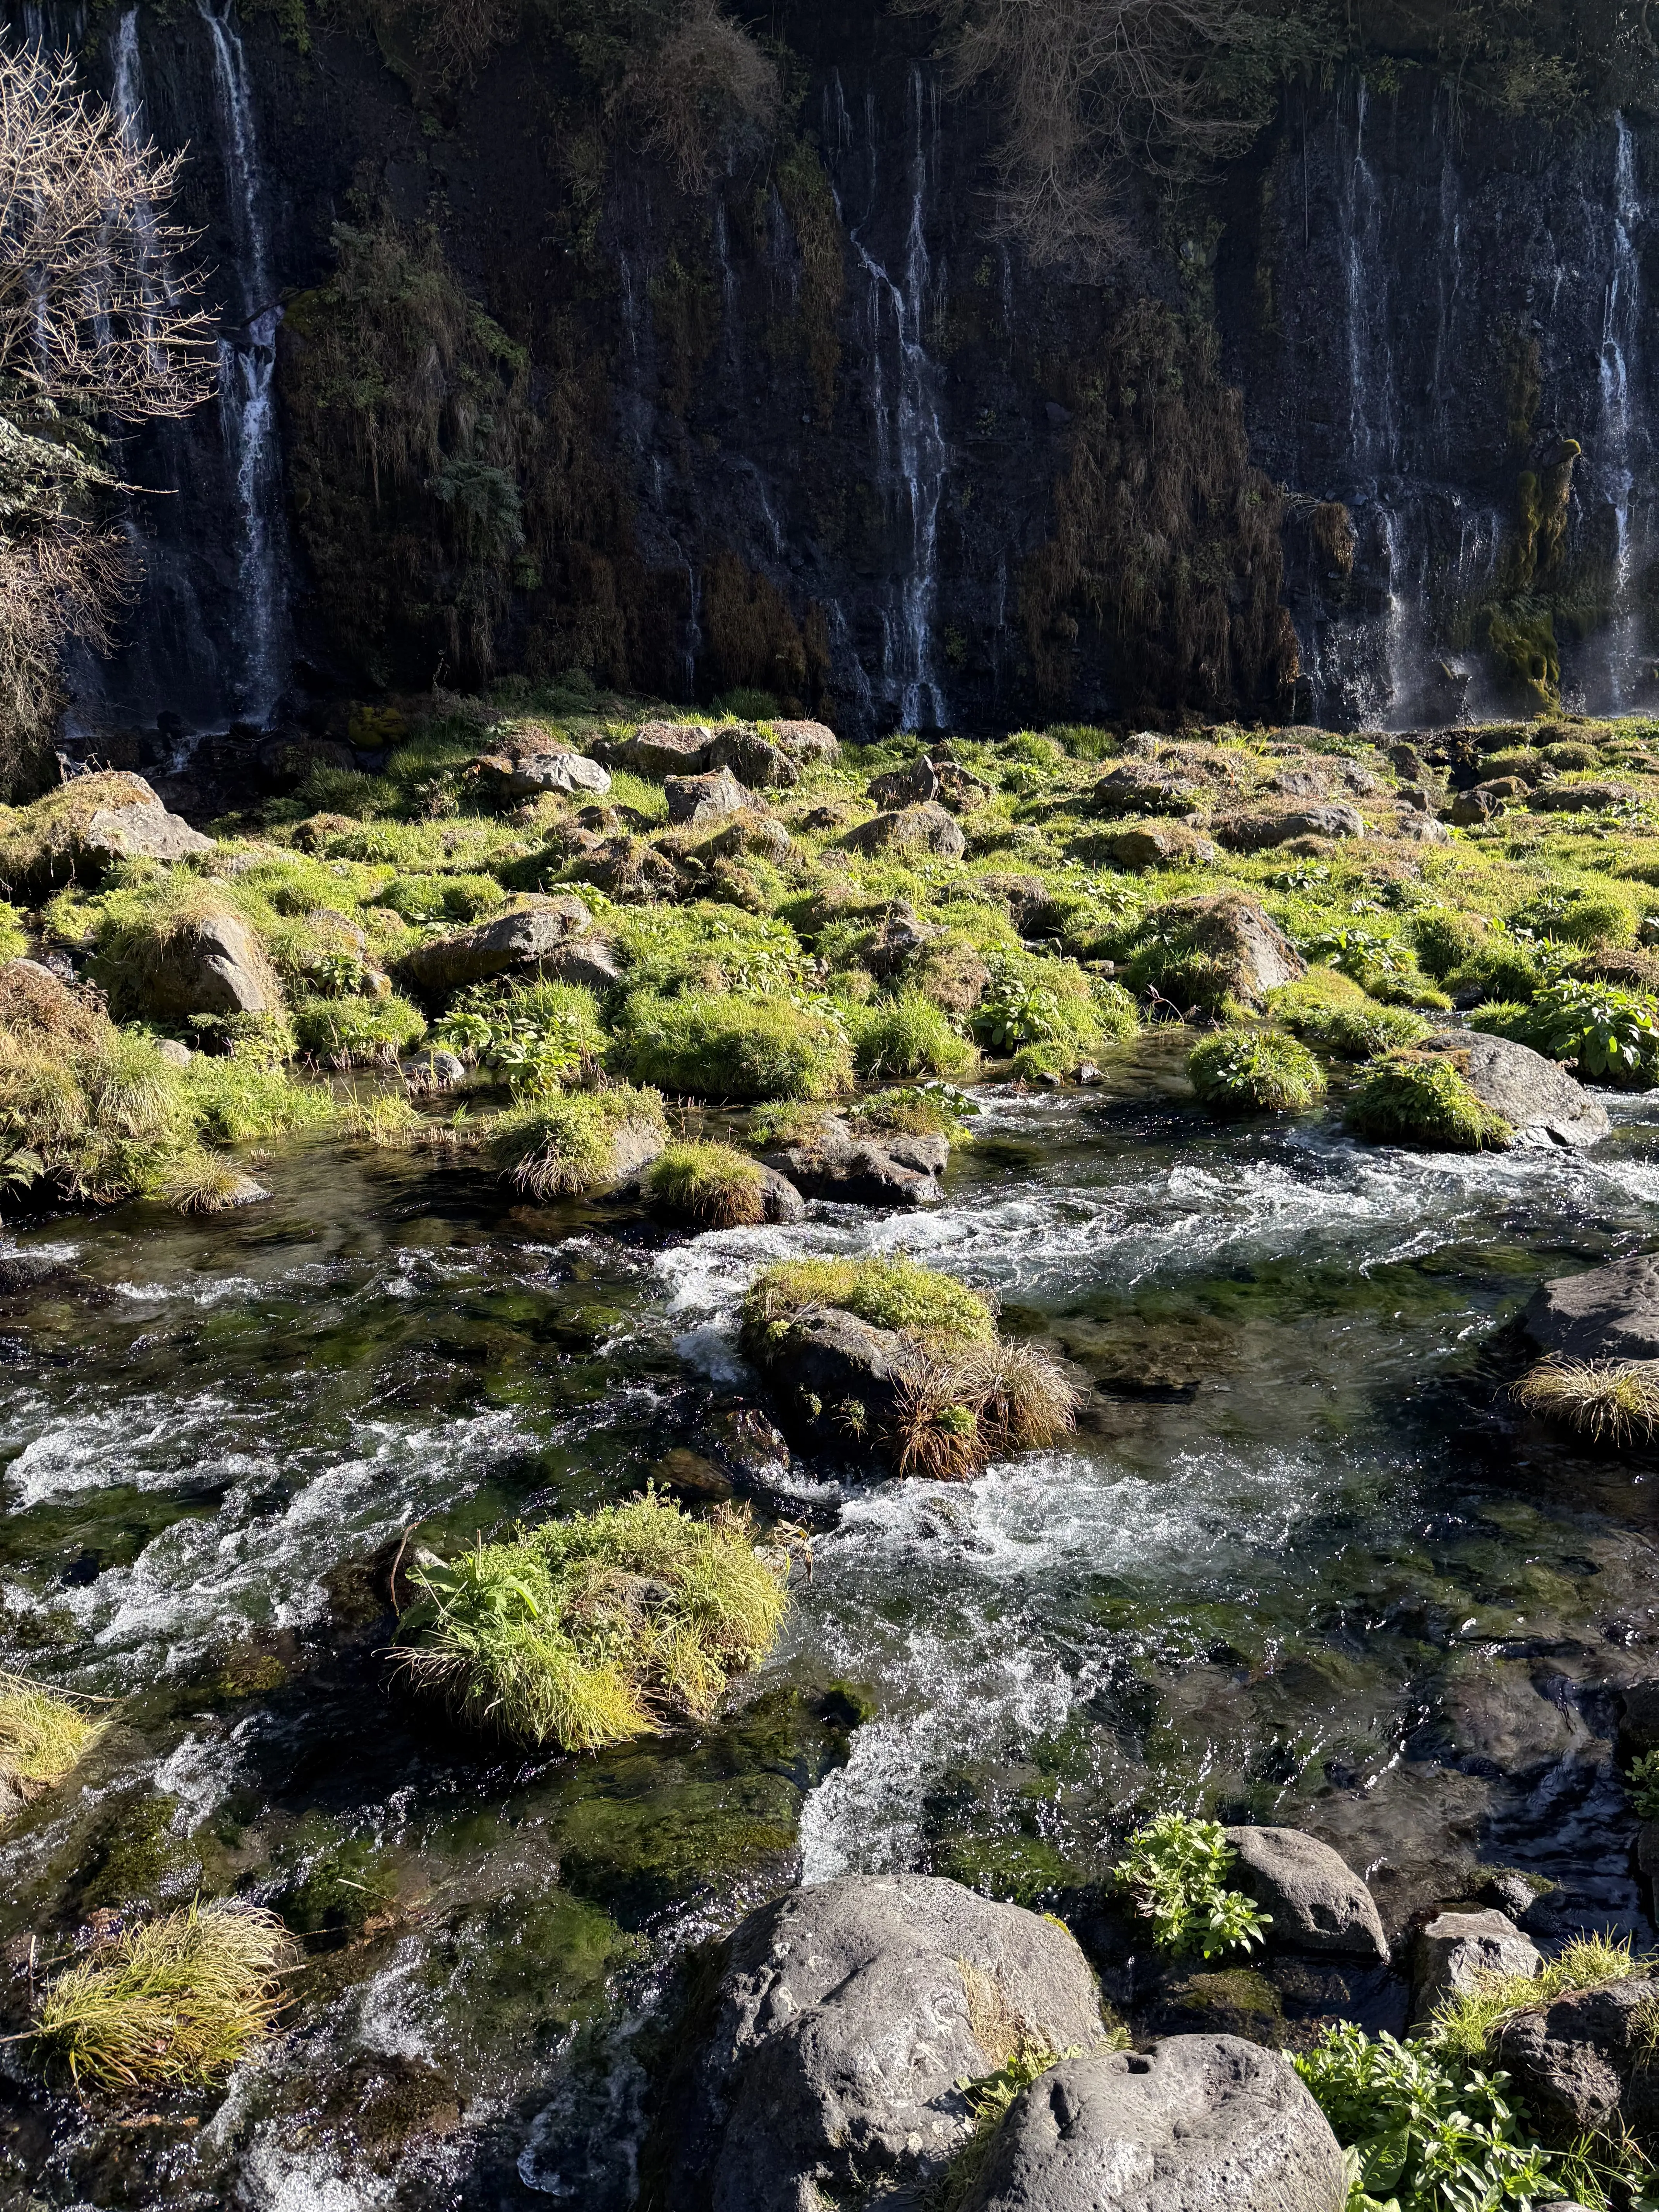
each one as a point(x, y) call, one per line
point(897, 1294)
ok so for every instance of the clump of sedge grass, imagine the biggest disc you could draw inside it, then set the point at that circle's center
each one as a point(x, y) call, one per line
point(584, 1633)
point(707, 1183)
point(1423, 1098)
point(43, 1735)
point(556, 1144)
point(959, 1407)
point(1614, 1401)
point(174, 2003)
point(210, 1182)
point(925, 1110)
point(1245, 1071)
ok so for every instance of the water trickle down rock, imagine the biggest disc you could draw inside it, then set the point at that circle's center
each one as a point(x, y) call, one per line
point(247, 369)
point(905, 386)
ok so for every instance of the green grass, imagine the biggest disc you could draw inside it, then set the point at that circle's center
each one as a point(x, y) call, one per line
point(911, 1111)
point(1423, 1099)
point(710, 1184)
point(1329, 1011)
point(555, 1146)
point(43, 1734)
point(908, 1035)
point(358, 1032)
point(172, 2004)
point(704, 1046)
point(587, 1631)
point(1249, 1071)
point(237, 1102)
point(1466, 2021)
point(1608, 1033)
point(208, 1182)
point(897, 1293)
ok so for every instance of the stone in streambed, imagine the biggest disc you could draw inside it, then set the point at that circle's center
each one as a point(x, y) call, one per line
point(1197, 2123)
point(1607, 1313)
point(1584, 2062)
point(1317, 1901)
point(1455, 1948)
point(1537, 1097)
point(836, 2023)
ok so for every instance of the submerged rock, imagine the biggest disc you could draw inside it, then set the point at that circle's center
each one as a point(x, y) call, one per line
point(1195, 2122)
point(837, 2024)
point(1608, 1313)
point(1537, 1097)
point(1317, 1901)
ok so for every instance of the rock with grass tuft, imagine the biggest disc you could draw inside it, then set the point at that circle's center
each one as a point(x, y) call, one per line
point(1248, 1071)
point(1455, 1948)
point(538, 931)
point(578, 1141)
point(1584, 2062)
point(836, 2024)
point(925, 828)
point(1608, 1313)
point(1209, 951)
point(1612, 1401)
point(1423, 1099)
point(719, 1188)
point(1198, 2121)
point(1541, 1102)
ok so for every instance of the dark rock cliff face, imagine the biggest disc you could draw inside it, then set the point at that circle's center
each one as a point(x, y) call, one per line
point(817, 429)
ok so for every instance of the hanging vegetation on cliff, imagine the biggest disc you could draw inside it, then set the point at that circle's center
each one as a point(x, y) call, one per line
point(1164, 535)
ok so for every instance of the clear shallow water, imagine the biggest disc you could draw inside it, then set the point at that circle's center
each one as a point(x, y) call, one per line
point(1298, 1561)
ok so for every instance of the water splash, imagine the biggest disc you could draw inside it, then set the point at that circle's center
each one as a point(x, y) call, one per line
point(1621, 333)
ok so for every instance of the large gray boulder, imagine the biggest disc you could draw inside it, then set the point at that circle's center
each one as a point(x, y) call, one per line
point(141, 833)
point(762, 766)
point(839, 2022)
point(527, 938)
point(529, 775)
point(1245, 942)
point(711, 798)
point(1197, 2123)
point(1455, 1949)
point(1254, 833)
point(1537, 1097)
point(1317, 1901)
point(214, 966)
point(661, 749)
point(831, 1367)
point(1141, 787)
point(806, 741)
point(1157, 845)
point(913, 785)
point(1585, 2061)
point(1607, 1312)
point(924, 828)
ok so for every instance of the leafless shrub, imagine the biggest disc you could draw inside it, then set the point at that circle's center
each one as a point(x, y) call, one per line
point(1088, 87)
point(86, 314)
point(707, 82)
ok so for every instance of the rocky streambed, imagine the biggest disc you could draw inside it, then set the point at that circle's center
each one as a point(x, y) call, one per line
point(1302, 1565)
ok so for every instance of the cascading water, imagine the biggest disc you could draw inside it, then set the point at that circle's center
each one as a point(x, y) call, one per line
point(209, 641)
point(905, 389)
point(247, 369)
point(1621, 333)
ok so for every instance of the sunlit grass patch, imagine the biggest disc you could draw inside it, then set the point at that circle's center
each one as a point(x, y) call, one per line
point(174, 2003)
point(43, 1735)
point(586, 1632)
point(1613, 1401)
point(711, 1184)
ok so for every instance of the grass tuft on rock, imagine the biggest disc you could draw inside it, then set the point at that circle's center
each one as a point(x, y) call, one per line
point(587, 1631)
point(710, 1184)
point(1468, 2021)
point(1612, 1401)
point(43, 1736)
point(897, 1293)
point(908, 1035)
point(1245, 1071)
point(960, 1407)
point(702, 1045)
point(1423, 1099)
point(1329, 1011)
point(173, 2004)
point(553, 1146)
point(208, 1182)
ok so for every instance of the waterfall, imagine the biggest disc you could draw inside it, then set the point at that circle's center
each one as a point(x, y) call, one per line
point(904, 385)
point(247, 369)
point(1620, 329)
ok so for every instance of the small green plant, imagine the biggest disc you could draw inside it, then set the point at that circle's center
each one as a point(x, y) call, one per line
point(1245, 1071)
point(1175, 1873)
point(1610, 1033)
point(1425, 2131)
point(1613, 1401)
point(533, 1035)
point(1017, 1012)
point(1466, 2022)
point(21, 1169)
point(586, 1632)
point(931, 1109)
point(174, 2003)
point(357, 1032)
point(1643, 1780)
point(990, 2098)
point(1423, 1098)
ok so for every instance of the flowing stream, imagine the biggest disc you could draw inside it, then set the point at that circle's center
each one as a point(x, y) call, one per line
point(1299, 1562)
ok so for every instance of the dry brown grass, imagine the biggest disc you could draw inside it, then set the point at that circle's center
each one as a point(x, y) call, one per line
point(1613, 1401)
point(959, 1407)
point(707, 82)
